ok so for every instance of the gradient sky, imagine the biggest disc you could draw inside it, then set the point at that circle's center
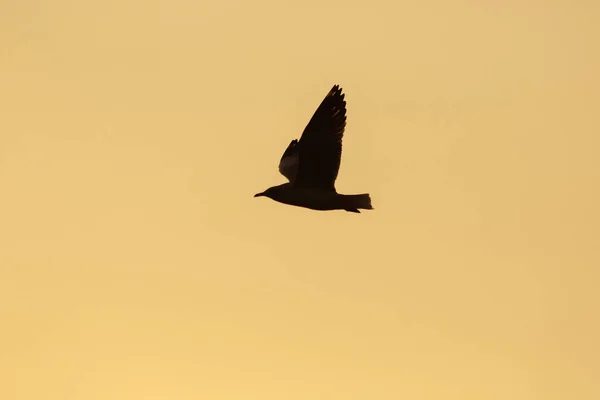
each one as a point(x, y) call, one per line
point(135, 263)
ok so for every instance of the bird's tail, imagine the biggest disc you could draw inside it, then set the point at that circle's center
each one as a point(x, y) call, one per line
point(354, 202)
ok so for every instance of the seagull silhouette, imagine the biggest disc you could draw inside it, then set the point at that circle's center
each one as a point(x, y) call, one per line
point(311, 164)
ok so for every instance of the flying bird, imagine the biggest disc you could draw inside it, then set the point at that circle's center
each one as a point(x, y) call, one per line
point(311, 164)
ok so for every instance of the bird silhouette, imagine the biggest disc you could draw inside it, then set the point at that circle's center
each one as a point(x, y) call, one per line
point(311, 164)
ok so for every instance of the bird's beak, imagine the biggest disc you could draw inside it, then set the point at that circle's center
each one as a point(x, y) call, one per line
point(259, 194)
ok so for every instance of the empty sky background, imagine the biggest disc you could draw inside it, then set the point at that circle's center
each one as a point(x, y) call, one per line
point(135, 263)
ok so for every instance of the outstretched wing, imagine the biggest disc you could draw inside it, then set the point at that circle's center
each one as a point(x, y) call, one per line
point(320, 147)
point(288, 165)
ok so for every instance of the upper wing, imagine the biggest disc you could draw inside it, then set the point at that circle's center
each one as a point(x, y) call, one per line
point(320, 147)
point(288, 165)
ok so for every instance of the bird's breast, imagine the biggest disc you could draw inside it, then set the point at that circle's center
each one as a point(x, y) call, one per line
point(315, 199)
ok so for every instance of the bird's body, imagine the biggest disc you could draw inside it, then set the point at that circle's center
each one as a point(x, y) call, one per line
point(317, 199)
point(311, 164)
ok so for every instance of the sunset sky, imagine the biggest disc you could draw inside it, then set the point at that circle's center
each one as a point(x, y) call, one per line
point(136, 264)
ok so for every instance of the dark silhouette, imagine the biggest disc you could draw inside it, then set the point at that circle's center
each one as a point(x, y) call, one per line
point(311, 164)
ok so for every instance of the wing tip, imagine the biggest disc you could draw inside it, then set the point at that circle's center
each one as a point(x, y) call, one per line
point(336, 89)
point(336, 92)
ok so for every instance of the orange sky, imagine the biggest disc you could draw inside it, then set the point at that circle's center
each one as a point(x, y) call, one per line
point(135, 263)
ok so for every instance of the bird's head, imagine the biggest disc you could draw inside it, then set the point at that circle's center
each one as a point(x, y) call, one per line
point(273, 192)
point(267, 193)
